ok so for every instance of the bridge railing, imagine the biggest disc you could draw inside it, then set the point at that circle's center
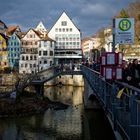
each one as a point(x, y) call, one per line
point(120, 101)
point(54, 71)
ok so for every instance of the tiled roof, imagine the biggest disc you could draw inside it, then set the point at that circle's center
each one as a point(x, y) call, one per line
point(21, 34)
point(2, 23)
point(39, 34)
point(46, 38)
point(11, 29)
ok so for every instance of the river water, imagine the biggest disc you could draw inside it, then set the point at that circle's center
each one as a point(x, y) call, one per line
point(69, 124)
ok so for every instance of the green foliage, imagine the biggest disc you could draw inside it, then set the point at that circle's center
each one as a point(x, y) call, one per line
point(101, 35)
point(133, 11)
point(139, 17)
point(123, 14)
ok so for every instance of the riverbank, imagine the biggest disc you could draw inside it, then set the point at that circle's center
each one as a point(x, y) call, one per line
point(27, 106)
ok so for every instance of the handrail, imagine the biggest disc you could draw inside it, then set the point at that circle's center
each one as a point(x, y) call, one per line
point(124, 110)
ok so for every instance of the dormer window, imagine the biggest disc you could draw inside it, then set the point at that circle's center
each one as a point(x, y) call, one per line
point(64, 23)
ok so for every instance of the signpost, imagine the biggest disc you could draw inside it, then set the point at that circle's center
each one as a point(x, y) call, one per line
point(124, 30)
point(123, 33)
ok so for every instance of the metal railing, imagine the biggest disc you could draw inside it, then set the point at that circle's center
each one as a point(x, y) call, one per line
point(123, 109)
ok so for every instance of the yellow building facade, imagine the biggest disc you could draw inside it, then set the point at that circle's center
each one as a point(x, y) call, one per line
point(3, 52)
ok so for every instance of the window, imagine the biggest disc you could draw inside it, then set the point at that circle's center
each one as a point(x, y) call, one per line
point(56, 29)
point(31, 58)
point(26, 57)
point(52, 44)
point(22, 57)
point(34, 57)
point(44, 52)
point(56, 38)
point(64, 23)
point(63, 29)
point(45, 61)
point(39, 53)
point(51, 53)
point(78, 38)
point(74, 43)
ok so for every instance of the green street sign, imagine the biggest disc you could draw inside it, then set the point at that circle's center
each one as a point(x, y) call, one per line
point(124, 24)
point(124, 31)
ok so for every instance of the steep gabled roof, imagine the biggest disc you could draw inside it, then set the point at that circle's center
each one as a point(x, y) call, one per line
point(40, 26)
point(17, 34)
point(36, 32)
point(11, 29)
point(2, 23)
point(60, 17)
point(46, 38)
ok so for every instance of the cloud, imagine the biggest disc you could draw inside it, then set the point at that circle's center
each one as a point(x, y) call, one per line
point(88, 15)
point(96, 9)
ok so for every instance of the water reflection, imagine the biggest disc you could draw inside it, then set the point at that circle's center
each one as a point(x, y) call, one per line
point(53, 125)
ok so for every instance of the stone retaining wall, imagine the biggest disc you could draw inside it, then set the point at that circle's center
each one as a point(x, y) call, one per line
point(73, 80)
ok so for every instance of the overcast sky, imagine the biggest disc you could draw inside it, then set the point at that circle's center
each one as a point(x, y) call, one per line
point(88, 15)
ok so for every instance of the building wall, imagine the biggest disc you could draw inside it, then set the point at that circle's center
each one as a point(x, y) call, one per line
point(87, 46)
point(68, 40)
point(72, 80)
point(41, 28)
point(58, 25)
point(29, 53)
point(46, 54)
point(3, 53)
point(14, 51)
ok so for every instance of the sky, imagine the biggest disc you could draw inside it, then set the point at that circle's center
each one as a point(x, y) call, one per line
point(88, 15)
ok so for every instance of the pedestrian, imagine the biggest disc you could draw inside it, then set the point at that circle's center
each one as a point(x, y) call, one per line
point(126, 75)
point(135, 73)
